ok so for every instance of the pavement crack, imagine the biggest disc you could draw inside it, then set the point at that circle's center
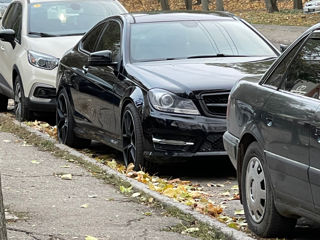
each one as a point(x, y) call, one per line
point(32, 234)
point(129, 222)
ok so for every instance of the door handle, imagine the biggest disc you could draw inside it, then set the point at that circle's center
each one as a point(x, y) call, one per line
point(84, 69)
point(2, 48)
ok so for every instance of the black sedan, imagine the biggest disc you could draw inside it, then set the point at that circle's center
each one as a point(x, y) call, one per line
point(156, 86)
point(273, 139)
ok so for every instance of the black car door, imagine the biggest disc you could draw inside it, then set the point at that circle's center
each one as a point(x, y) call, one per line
point(286, 122)
point(312, 68)
point(104, 78)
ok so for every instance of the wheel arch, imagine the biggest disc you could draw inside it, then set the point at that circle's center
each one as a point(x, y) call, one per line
point(15, 73)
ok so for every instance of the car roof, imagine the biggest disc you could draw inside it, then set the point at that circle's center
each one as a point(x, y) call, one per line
point(177, 16)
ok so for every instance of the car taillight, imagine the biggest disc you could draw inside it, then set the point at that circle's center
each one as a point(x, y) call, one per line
point(228, 106)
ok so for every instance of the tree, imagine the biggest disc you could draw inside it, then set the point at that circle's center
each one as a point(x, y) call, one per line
point(3, 230)
point(188, 4)
point(164, 5)
point(219, 5)
point(205, 5)
point(271, 6)
point(297, 4)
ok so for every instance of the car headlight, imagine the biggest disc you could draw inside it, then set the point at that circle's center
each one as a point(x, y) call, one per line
point(166, 101)
point(41, 60)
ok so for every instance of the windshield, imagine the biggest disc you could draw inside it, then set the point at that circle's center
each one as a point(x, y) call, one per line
point(69, 17)
point(192, 39)
point(5, 1)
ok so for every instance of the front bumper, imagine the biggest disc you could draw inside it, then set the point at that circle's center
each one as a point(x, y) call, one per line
point(231, 143)
point(173, 135)
point(310, 9)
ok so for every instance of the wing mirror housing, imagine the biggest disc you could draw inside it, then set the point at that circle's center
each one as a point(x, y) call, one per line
point(283, 47)
point(8, 35)
point(101, 58)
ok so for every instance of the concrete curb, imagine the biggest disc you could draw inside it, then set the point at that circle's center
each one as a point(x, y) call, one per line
point(233, 233)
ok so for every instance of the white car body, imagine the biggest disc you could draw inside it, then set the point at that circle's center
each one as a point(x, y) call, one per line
point(311, 6)
point(14, 59)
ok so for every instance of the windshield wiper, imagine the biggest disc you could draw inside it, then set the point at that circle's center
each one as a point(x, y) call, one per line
point(41, 34)
point(216, 55)
point(71, 34)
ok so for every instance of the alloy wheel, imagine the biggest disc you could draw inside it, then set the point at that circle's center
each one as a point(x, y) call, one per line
point(255, 189)
point(128, 139)
point(18, 101)
point(62, 118)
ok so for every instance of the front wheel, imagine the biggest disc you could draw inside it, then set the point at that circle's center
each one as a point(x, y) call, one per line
point(21, 109)
point(258, 199)
point(132, 137)
point(65, 123)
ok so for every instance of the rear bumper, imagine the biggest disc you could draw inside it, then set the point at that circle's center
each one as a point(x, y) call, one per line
point(231, 144)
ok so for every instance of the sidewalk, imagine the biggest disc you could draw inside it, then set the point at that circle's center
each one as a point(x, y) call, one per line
point(50, 208)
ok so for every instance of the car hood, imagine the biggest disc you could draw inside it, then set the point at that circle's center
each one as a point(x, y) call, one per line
point(54, 46)
point(197, 75)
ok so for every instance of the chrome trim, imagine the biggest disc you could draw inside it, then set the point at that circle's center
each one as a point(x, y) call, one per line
point(172, 142)
point(36, 99)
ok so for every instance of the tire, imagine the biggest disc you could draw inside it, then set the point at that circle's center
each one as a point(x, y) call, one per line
point(262, 216)
point(21, 110)
point(3, 103)
point(65, 123)
point(132, 138)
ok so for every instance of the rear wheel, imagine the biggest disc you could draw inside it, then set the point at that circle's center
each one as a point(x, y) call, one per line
point(258, 199)
point(3, 103)
point(65, 123)
point(132, 138)
point(21, 109)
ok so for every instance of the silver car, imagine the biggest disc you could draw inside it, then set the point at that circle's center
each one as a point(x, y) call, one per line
point(312, 6)
point(3, 6)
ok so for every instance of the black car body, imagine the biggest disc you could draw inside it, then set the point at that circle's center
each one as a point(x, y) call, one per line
point(99, 94)
point(276, 120)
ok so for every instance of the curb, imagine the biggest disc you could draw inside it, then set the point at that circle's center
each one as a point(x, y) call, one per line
point(233, 233)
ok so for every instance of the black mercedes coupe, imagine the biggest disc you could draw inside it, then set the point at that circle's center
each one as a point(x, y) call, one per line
point(155, 86)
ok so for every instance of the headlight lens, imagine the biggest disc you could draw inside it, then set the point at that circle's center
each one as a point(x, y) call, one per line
point(166, 101)
point(41, 60)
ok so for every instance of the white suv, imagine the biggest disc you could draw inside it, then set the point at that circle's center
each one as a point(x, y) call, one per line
point(34, 35)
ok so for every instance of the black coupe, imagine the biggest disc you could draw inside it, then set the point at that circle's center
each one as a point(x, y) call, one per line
point(156, 86)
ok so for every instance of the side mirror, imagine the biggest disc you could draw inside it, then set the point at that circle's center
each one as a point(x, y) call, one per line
point(283, 47)
point(101, 58)
point(8, 35)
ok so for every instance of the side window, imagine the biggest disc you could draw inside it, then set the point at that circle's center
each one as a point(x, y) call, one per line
point(303, 76)
point(17, 23)
point(110, 40)
point(276, 77)
point(9, 18)
point(89, 43)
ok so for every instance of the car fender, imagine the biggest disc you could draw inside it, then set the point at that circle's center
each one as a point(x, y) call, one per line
point(134, 95)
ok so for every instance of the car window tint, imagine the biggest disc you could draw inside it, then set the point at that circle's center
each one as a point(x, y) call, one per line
point(9, 18)
point(89, 43)
point(17, 23)
point(303, 76)
point(110, 40)
point(276, 77)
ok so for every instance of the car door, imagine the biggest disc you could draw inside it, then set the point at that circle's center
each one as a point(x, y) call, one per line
point(286, 127)
point(311, 64)
point(104, 78)
point(8, 53)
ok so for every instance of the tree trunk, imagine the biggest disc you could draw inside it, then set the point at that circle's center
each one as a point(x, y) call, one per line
point(205, 5)
point(164, 5)
point(3, 229)
point(219, 5)
point(271, 6)
point(297, 4)
point(188, 4)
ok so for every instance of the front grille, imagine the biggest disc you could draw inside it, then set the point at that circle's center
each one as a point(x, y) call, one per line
point(215, 104)
point(213, 143)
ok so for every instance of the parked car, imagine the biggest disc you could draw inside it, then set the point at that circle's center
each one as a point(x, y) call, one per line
point(312, 6)
point(3, 6)
point(156, 85)
point(34, 35)
point(273, 136)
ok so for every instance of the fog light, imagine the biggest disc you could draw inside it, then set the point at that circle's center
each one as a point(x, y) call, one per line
point(43, 92)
